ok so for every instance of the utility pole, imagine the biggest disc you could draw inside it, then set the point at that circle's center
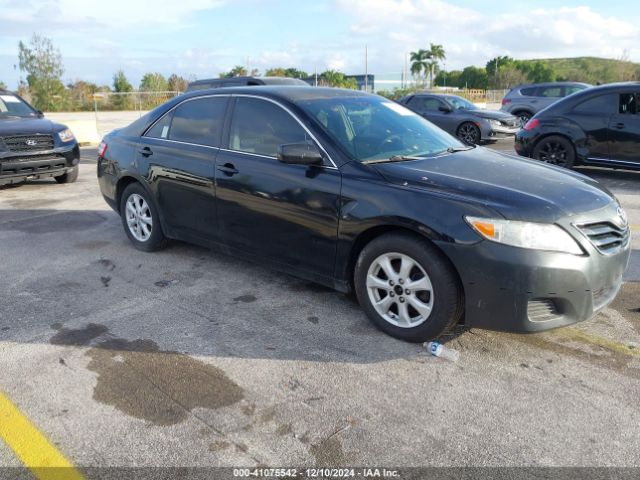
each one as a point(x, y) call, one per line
point(406, 80)
point(366, 69)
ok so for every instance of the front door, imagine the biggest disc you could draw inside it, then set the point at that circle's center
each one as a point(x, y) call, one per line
point(280, 212)
point(624, 130)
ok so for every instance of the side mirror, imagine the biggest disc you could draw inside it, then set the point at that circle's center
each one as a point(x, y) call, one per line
point(444, 108)
point(300, 154)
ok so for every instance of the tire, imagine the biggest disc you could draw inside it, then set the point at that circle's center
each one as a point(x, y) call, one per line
point(468, 133)
point(140, 219)
point(524, 116)
point(555, 150)
point(69, 177)
point(436, 294)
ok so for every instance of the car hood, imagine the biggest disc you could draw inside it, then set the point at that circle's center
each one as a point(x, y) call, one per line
point(518, 189)
point(492, 114)
point(26, 126)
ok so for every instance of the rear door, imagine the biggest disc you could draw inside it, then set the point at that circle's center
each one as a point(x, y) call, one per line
point(177, 156)
point(280, 212)
point(624, 129)
point(545, 96)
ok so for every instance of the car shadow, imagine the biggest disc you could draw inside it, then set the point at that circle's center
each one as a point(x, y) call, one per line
point(73, 278)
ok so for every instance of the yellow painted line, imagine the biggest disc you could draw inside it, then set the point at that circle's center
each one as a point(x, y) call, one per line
point(31, 447)
point(635, 228)
point(580, 335)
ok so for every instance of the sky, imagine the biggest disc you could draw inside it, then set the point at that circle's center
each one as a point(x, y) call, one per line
point(201, 38)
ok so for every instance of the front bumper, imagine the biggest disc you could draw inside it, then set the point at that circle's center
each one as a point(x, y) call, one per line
point(521, 290)
point(497, 133)
point(18, 167)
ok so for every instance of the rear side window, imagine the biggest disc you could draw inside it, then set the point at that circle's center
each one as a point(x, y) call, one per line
point(568, 90)
point(600, 105)
point(161, 128)
point(555, 92)
point(628, 104)
point(260, 127)
point(528, 92)
point(199, 121)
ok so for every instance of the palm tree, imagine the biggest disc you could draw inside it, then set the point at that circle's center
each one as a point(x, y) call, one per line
point(420, 63)
point(436, 54)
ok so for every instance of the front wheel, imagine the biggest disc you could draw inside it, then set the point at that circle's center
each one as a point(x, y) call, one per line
point(469, 133)
point(407, 288)
point(555, 150)
point(140, 219)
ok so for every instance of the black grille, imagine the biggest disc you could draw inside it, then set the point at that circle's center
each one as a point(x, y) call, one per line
point(28, 143)
point(542, 310)
point(31, 165)
point(510, 123)
point(607, 237)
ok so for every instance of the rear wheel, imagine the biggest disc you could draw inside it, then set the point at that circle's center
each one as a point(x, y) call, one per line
point(555, 150)
point(469, 133)
point(407, 288)
point(140, 219)
point(69, 177)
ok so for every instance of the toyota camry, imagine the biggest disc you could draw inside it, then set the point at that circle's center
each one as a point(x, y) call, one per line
point(361, 194)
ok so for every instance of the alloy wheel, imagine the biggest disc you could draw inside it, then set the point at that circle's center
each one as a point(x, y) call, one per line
point(468, 133)
point(400, 290)
point(138, 216)
point(554, 152)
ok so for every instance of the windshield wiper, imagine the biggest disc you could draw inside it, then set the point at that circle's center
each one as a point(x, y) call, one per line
point(460, 149)
point(394, 158)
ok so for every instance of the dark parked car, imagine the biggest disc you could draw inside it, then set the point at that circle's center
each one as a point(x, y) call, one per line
point(32, 146)
point(462, 118)
point(353, 191)
point(599, 126)
point(243, 81)
point(524, 101)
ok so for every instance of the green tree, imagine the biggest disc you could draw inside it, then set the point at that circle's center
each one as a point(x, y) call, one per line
point(436, 54)
point(42, 63)
point(276, 72)
point(153, 82)
point(122, 87)
point(177, 83)
point(473, 77)
point(334, 78)
point(237, 71)
point(448, 79)
point(3, 85)
point(420, 65)
point(286, 72)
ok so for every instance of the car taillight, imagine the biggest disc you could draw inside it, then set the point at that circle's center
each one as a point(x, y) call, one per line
point(531, 124)
point(505, 101)
point(102, 149)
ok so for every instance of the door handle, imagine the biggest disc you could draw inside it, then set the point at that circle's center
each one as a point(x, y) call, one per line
point(145, 152)
point(228, 169)
point(619, 125)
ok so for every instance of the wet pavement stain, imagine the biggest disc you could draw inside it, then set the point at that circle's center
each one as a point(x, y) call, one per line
point(106, 263)
point(70, 221)
point(313, 320)
point(142, 381)
point(245, 299)
point(219, 445)
point(328, 453)
point(77, 337)
point(92, 245)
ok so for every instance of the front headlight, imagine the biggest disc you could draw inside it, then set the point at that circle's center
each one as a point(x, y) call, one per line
point(494, 123)
point(538, 236)
point(66, 135)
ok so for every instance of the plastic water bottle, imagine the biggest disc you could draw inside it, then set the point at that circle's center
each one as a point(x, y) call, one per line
point(438, 350)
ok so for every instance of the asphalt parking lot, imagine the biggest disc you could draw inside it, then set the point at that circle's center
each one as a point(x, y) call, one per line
point(187, 357)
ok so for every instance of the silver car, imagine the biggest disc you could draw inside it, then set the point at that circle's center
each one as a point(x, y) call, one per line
point(524, 101)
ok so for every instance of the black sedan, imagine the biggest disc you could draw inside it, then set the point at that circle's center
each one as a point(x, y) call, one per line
point(358, 193)
point(33, 147)
point(599, 126)
point(460, 117)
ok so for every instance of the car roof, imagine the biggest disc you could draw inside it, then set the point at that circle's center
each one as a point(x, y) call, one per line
point(291, 93)
point(248, 80)
point(550, 84)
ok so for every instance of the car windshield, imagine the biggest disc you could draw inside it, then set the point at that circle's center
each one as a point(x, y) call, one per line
point(460, 103)
point(12, 106)
point(374, 128)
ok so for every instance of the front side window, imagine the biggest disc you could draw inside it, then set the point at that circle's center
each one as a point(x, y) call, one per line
point(374, 128)
point(260, 127)
point(198, 121)
point(12, 106)
point(568, 90)
point(460, 103)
